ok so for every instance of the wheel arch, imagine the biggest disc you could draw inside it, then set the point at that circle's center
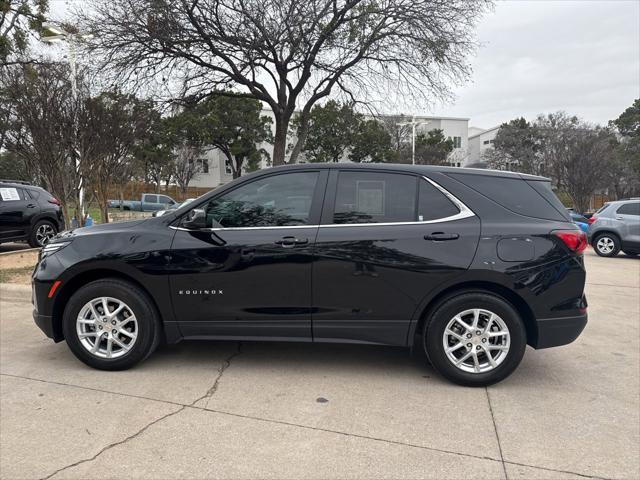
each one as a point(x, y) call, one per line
point(492, 288)
point(607, 231)
point(70, 286)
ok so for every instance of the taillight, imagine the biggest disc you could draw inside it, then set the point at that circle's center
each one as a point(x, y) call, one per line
point(55, 201)
point(591, 219)
point(576, 240)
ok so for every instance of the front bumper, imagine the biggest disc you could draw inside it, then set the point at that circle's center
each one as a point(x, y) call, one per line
point(553, 332)
point(45, 323)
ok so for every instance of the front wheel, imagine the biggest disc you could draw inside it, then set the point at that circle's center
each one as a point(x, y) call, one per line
point(111, 325)
point(475, 339)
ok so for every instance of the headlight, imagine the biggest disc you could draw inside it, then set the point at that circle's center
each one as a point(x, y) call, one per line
point(50, 248)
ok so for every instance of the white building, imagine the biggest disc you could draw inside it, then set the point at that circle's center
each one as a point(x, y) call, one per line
point(479, 141)
point(216, 171)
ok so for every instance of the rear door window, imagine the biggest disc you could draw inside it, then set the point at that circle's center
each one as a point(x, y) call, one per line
point(151, 199)
point(433, 204)
point(374, 197)
point(629, 209)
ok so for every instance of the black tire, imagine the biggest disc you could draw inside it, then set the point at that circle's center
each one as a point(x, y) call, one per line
point(34, 239)
point(148, 334)
point(446, 310)
point(631, 253)
point(606, 237)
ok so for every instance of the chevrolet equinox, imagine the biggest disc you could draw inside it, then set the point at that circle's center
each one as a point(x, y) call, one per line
point(469, 265)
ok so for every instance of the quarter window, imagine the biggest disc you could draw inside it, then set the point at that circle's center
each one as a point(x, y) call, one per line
point(368, 197)
point(164, 199)
point(629, 209)
point(433, 204)
point(277, 200)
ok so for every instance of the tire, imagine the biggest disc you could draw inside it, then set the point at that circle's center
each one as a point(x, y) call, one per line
point(606, 244)
point(506, 351)
point(145, 325)
point(41, 233)
point(631, 253)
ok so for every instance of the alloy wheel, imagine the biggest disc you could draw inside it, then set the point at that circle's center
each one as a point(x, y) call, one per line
point(476, 340)
point(107, 327)
point(605, 245)
point(44, 234)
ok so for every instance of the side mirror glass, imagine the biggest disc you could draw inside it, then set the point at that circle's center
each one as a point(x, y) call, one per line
point(195, 219)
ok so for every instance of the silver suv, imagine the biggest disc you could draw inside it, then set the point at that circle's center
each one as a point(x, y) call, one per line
point(615, 227)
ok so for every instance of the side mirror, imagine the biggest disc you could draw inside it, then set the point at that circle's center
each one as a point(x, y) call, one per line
point(195, 219)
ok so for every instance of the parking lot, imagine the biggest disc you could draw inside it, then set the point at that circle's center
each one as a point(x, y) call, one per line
point(284, 410)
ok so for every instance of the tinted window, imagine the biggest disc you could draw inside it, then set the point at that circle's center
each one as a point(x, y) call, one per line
point(629, 209)
point(433, 204)
point(10, 194)
point(532, 199)
point(151, 198)
point(164, 199)
point(277, 200)
point(371, 197)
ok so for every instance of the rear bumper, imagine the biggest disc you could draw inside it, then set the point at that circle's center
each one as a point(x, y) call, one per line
point(553, 332)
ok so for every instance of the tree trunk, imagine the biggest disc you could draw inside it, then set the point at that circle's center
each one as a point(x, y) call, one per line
point(302, 133)
point(280, 139)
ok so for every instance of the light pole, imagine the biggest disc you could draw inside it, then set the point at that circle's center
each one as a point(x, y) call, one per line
point(60, 35)
point(413, 124)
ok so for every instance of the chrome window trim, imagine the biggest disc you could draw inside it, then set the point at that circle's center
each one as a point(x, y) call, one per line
point(465, 212)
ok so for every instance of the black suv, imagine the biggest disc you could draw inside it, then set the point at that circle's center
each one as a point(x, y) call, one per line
point(28, 213)
point(469, 265)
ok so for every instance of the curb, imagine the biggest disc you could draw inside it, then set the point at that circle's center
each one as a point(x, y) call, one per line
point(17, 252)
point(15, 293)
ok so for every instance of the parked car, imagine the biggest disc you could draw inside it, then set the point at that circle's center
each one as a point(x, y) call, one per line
point(469, 265)
point(28, 213)
point(149, 202)
point(615, 227)
point(580, 220)
point(159, 213)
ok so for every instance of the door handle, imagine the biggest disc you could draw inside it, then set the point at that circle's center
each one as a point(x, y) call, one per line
point(288, 242)
point(441, 236)
point(31, 205)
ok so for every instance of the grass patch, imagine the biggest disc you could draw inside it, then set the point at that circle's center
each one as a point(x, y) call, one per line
point(20, 275)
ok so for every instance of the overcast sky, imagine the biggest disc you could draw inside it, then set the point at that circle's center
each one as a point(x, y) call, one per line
point(543, 56)
point(538, 56)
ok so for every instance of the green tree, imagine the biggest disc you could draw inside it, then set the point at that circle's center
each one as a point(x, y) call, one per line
point(18, 20)
point(235, 127)
point(516, 147)
point(625, 168)
point(13, 167)
point(433, 148)
point(332, 128)
point(371, 143)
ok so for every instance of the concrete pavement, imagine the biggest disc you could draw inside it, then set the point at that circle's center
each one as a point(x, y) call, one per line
point(284, 410)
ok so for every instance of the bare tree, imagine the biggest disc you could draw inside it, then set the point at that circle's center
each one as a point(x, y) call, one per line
point(289, 53)
point(186, 165)
point(400, 134)
point(19, 20)
point(40, 126)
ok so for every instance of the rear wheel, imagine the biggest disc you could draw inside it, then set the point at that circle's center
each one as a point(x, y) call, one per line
point(475, 339)
point(42, 232)
point(111, 325)
point(606, 245)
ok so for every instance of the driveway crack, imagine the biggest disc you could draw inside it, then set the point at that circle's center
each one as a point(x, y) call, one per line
point(209, 393)
point(495, 429)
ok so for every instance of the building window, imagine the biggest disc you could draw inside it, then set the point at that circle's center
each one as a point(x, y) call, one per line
point(486, 142)
point(227, 168)
point(457, 142)
point(205, 165)
point(492, 142)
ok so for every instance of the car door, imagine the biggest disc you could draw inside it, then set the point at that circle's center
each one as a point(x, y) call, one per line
point(629, 215)
point(17, 210)
point(386, 240)
point(248, 273)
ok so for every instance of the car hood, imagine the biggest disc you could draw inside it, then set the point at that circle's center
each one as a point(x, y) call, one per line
point(101, 228)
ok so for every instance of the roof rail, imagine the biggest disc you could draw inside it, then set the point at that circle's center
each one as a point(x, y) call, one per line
point(21, 182)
